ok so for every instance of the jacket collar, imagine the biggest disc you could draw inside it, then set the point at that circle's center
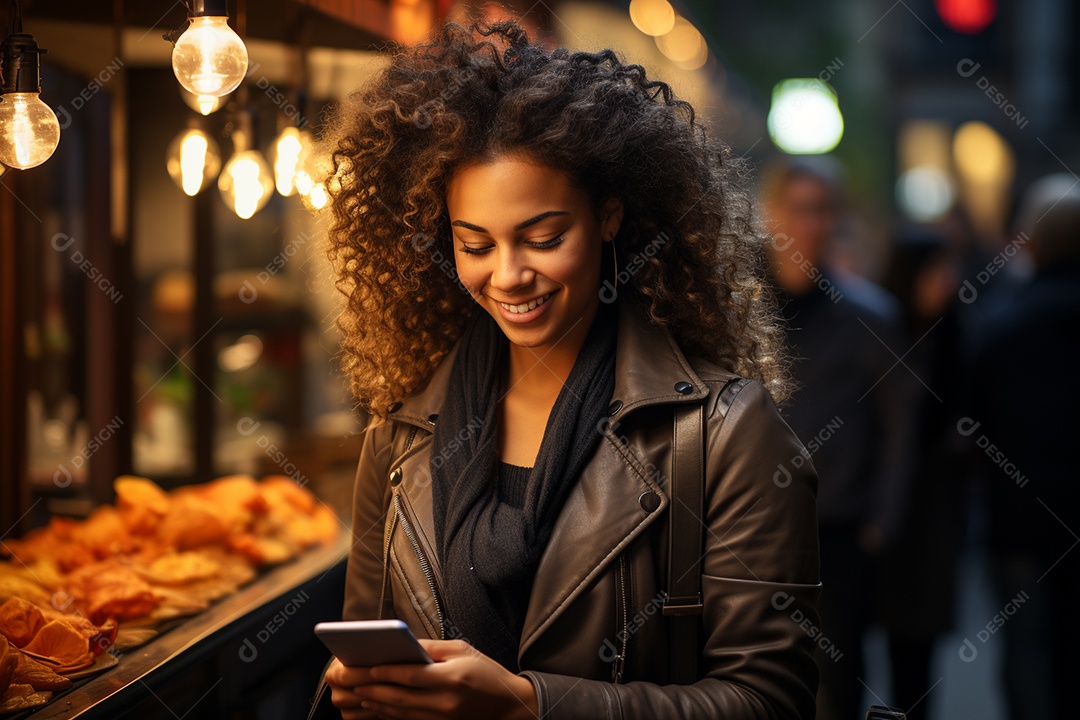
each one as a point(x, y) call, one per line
point(648, 366)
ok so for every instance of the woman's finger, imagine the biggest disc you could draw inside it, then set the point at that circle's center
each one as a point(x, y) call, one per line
point(359, 715)
point(342, 676)
point(389, 711)
point(344, 698)
point(411, 675)
point(440, 650)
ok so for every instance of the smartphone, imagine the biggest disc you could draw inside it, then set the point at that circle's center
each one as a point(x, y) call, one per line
point(366, 643)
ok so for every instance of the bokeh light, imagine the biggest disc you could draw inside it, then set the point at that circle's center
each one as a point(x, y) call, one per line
point(981, 155)
point(925, 194)
point(652, 17)
point(967, 16)
point(805, 117)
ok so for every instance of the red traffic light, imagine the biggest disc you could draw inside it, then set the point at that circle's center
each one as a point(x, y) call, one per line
point(967, 16)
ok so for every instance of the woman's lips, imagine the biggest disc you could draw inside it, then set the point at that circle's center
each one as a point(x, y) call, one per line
point(529, 315)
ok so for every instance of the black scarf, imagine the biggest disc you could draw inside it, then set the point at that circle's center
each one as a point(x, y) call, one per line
point(489, 551)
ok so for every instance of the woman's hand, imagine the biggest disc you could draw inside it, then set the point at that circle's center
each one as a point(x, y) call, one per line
point(343, 681)
point(461, 683)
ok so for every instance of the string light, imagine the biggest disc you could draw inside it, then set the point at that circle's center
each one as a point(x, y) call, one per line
point(29, 131)
point(246, 182)
point(290, 151)
point(209, 58)
point(313, 192)
point(193, 160)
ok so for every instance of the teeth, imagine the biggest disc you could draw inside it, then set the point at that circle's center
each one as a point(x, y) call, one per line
point(531, 305)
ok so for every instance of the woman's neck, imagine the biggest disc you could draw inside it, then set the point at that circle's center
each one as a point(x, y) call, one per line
point(540, 372)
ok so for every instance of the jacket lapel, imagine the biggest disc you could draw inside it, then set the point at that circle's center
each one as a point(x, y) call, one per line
point(603, 513)
point(600, 516)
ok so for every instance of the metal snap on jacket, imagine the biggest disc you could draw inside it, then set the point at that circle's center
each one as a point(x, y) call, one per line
point(432, 417)
point(395, 407)
point(614, 407)
point(684, 388)
point(395, 477)
point(649, 501)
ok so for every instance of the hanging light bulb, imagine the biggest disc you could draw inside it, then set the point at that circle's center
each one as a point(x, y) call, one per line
point(290, 151)
point(316, 197)
point(193, 160)
point(209, 58)
point(246, 182)
point(29, 131)
point(311, 181)
point(203, 104)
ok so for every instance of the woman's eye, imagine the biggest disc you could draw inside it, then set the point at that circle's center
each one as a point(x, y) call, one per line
point(547, 243)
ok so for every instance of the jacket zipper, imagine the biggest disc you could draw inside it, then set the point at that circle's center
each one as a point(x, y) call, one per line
point(389, 534)
point(424, 564)
point(620, 660)
point(386, 562)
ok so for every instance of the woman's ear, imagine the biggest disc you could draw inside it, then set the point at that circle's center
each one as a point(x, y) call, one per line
point(611, 215)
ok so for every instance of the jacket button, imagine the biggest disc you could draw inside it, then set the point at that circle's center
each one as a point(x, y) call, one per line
point(684, 388)
point(432, 417)
point(649, 501)
point(395, 407)
point(395, 477)
point(614, 407)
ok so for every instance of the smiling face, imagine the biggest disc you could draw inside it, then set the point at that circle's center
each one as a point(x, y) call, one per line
point(527, 245)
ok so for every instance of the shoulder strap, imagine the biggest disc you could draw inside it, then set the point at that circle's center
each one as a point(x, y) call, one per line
point(683, 600)
point(686, 526)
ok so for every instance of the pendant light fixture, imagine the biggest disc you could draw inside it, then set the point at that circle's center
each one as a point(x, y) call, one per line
point(209, 58)
point(246, 182)
point(29, 131)
point(312, 194)
point(290, 152)
point(193, 160)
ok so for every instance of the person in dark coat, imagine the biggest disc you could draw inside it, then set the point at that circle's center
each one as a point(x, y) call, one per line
point(1024, 437)
point(854, 411)
point(918, 574)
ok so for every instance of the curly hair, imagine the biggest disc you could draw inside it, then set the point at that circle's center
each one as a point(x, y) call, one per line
point(471, 94)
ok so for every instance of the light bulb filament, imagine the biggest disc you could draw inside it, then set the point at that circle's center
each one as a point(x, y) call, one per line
point(286, 162)
point(192, 163)
point(247, 188)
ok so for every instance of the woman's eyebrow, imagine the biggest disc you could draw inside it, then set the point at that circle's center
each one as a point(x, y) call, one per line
point(520, 226)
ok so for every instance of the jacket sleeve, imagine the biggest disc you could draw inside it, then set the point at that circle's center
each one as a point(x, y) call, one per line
point(760, 587)
point(371, 499)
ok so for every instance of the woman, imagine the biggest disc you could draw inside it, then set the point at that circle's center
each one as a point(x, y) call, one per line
point(544, 257)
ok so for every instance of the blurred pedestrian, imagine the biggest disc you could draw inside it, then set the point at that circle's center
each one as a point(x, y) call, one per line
point(854, 411)
point(1024, 438)
point(917, 581)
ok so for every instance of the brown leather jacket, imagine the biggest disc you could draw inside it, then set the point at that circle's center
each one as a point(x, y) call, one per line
point(599, 587)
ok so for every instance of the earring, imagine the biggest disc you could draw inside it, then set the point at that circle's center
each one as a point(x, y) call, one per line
point(615, 262)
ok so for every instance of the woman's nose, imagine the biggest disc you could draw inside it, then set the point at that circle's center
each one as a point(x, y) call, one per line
point(511, 270)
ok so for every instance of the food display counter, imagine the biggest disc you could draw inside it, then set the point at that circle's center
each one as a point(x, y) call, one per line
point(202, 598)
point(241, 639)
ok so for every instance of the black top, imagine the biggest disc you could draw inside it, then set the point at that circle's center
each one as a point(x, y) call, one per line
point(512, 482)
